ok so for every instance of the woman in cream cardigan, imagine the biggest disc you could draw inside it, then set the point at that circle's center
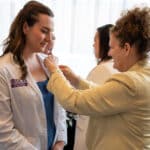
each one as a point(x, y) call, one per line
point(119, 109)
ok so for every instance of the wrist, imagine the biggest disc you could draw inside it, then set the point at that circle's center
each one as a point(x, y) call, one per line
point(61, 143)
point(53, 69)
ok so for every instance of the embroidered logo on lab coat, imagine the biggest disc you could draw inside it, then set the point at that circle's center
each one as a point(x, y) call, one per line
point(18, 83)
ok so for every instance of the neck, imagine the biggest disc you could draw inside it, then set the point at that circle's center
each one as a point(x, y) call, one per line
point(28, 54)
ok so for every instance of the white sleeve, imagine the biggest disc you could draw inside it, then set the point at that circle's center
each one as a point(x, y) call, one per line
point(61, 123)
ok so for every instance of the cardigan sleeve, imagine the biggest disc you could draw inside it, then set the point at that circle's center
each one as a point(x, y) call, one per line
point(114, 96)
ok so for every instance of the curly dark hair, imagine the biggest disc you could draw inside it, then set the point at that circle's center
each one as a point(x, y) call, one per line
point(15, 42)
point(134, 28)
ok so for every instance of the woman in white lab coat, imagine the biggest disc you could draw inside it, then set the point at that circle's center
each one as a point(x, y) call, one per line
point(99, 74)
point(30, 118)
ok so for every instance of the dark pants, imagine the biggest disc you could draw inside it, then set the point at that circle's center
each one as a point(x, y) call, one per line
point(71, 135)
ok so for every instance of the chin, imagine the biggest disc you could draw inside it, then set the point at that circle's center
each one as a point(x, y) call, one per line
point(120, 69)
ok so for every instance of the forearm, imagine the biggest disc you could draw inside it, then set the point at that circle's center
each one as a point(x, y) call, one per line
point(59, 145)
point(84, 84)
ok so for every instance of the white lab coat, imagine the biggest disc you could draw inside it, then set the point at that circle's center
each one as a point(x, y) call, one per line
point(22, 114)
point(99, 75)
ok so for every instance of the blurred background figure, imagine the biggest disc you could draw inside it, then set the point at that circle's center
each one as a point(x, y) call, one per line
point(99, 75)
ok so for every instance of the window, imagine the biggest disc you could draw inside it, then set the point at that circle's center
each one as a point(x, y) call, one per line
point(75, 25)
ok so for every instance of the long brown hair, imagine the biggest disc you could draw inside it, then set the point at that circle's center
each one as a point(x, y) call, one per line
point(16, 40)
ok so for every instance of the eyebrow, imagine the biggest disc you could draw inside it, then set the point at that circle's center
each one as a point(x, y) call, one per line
point(46, 28)
point(49, 29)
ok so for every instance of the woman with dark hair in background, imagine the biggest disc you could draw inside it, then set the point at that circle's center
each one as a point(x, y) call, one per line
point(99, 75)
